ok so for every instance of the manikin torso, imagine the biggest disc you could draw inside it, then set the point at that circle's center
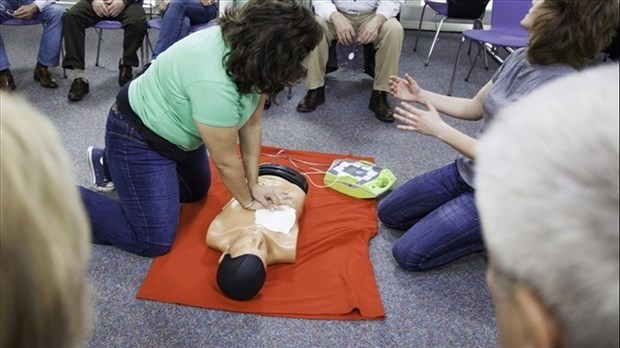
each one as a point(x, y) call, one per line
point(270, 235)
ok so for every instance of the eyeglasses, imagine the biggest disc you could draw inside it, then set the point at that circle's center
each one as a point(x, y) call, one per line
point(6, 10)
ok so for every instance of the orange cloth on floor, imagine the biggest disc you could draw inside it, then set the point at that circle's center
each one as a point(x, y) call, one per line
point(332, 277)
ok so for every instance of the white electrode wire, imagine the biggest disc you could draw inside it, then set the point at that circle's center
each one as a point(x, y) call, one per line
point(304, 172)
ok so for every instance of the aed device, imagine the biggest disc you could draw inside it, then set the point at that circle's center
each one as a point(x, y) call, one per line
point(359, 179)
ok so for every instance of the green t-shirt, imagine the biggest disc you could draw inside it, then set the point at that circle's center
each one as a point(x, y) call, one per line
point(188, 83)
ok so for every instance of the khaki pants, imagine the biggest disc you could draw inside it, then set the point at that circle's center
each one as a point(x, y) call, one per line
point(388, 45)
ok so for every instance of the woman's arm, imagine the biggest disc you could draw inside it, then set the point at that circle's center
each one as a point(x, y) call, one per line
point(460, 108)
point(250, 141)
point(222, 146)
point(407, 89)
point(428, 122)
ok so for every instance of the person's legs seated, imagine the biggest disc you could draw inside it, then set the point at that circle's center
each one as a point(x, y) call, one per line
point(134, 24)
point(74, 23)
point(7, 82)
point(388, 45)
point(49, 48)
point(315, 80)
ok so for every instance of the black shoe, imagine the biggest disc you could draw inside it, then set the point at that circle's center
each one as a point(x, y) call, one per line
point(125, 74)
point(313, 98)
point(379, 105)
point(7, 83)
point(79, 88)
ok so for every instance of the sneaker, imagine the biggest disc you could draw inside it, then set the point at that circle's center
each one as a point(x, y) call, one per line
point(95, 160)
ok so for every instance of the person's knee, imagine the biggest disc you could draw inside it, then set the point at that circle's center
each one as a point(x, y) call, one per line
point(407, 258)
point(393, 28)
point(386, 214)
point(154, 250)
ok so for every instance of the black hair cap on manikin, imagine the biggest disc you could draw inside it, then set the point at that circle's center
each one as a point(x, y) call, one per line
point(242, 277)
point(286, 173)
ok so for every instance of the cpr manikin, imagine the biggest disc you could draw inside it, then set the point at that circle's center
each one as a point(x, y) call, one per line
point(252, 240)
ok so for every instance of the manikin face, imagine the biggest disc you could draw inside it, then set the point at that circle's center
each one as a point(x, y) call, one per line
point(527, 21)
point(250, 241)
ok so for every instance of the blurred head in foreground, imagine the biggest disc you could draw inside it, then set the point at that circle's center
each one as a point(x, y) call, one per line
point(44, 235)
point(547, 178)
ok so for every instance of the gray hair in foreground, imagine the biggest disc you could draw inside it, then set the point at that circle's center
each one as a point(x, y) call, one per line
point(547, 192)
point(44, 235)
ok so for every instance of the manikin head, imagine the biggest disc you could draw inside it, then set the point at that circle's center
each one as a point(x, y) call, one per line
point(256, 242)
point(547, 192)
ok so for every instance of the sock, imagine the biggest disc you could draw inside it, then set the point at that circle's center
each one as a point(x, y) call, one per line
point(79, 73)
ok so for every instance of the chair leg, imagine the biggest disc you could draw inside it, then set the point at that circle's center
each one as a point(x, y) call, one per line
point(289, 95)
point(481, 50)
point(428, 58)
point(415, 45)
point(456, 64)
point(98, 46)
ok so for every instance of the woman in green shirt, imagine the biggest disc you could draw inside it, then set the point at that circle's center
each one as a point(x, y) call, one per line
point(202, 97)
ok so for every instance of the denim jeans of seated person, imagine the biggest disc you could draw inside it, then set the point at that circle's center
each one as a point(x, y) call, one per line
point(178, 18)
point(438, 214)
point(50, 43)
point(150, 188)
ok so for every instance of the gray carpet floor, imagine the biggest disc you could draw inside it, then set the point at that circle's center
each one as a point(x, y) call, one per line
point(446, 307)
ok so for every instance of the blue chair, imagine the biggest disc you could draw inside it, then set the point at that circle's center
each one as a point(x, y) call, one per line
point(471, 10)
point(100, 26)
point(505, 32)
point(20, 22)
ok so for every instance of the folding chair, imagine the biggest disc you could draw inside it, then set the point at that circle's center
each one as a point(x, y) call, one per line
point(505, 32)
point(472, 10)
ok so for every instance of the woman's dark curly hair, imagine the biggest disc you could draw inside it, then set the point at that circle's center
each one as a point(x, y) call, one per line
point(268, 41)
point(571, 31)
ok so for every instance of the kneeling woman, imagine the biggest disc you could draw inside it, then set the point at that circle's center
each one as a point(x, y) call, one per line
point(207, 90)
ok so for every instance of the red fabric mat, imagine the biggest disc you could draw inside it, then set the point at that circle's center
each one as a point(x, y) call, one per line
point(332, 277)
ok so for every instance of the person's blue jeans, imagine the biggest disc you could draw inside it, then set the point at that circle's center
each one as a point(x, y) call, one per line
point(176, 21)
point(150, 187)
point(438, 212)
point(49, 47)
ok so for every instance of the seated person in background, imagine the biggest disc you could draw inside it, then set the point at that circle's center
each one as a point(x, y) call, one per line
point(48, 12)
point(252, 240)
point(437, 209)
point(177, 17)
point(357, 22)
point(86, 13)
point(44, 235)
point(547, 178)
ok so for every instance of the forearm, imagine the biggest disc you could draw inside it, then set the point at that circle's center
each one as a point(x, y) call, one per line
point(459, 141)
point(461, 108)
point(234, 178)
point(250, 140)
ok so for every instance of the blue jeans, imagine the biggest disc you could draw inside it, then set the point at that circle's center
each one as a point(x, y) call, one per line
point(176, 20)
point(438, 212)
point(150, 188)
point(49, 47)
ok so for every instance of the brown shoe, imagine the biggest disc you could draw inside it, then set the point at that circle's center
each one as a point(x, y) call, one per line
point(7, 83)
point(313, 98)
point(44, 77)
point(379, 105)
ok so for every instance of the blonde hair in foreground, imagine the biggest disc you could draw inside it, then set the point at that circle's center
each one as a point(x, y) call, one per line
point(548, 196)
point(44, 235)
